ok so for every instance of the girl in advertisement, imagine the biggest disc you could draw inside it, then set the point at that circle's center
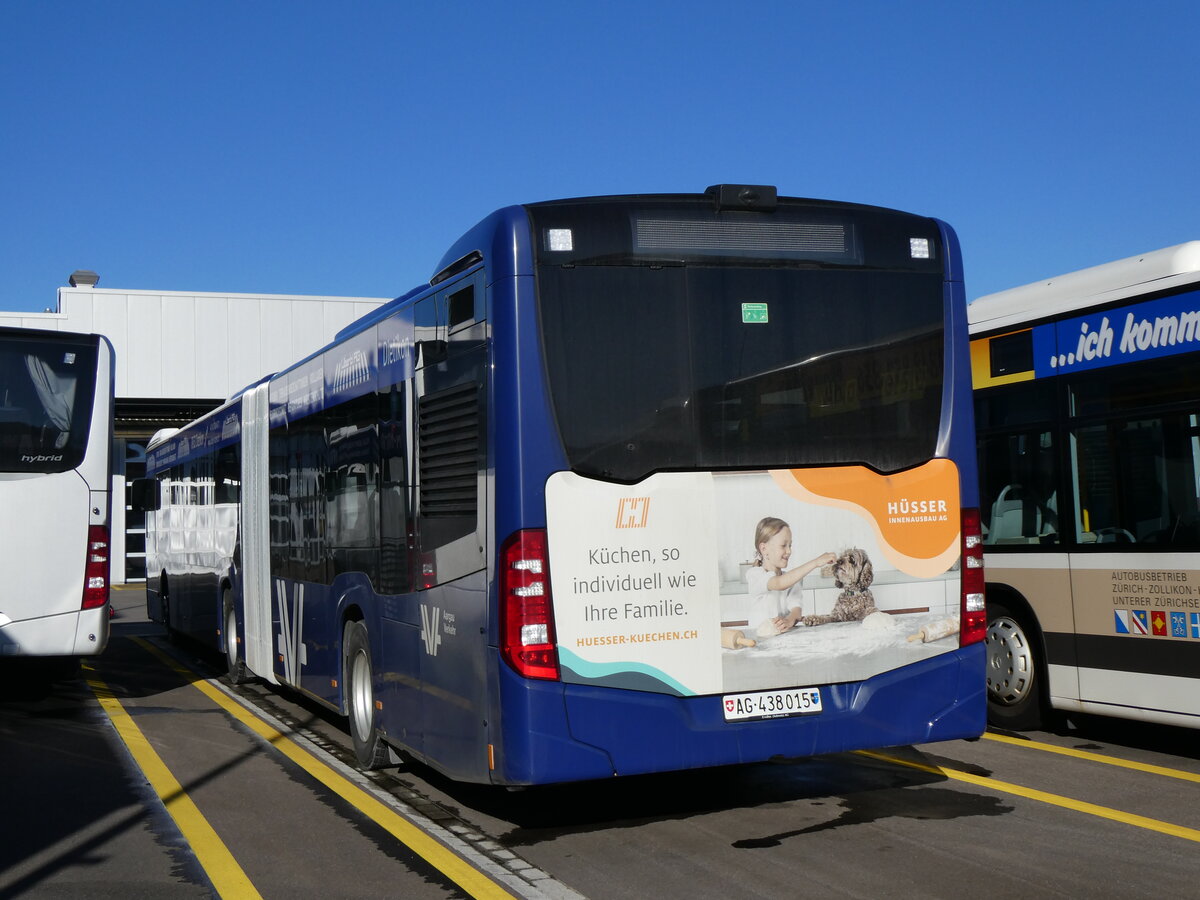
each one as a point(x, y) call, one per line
point(775, 590)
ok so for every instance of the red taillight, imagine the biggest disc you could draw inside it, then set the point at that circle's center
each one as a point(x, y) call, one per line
point(526, 614)
point(428, 576)
point(974, 608)
point(95, 571)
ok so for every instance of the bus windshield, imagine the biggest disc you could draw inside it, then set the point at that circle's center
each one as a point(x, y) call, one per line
point(688, 366)
point(46, 391)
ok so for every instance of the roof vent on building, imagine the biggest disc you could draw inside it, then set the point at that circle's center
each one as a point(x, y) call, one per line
point(84, 278)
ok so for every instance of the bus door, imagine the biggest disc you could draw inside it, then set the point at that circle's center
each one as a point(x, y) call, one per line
point(451, 462)
point(1025, 512)
point(399, 621)
point(1137, 488)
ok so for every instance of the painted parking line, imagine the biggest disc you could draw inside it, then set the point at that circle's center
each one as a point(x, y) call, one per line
point(1094, 757)
point(228, 878)
point(1005, 787)
point(473, 881)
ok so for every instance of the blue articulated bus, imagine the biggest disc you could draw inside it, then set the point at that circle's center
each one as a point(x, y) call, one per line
point(633, 484)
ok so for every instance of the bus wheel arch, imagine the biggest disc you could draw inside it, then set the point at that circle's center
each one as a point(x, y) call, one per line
point(164, 605)
point(369, 747)
point(235, 659)
point(1016, 662)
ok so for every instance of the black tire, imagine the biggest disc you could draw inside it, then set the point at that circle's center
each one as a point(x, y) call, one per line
point(1015, 673)
point(369, 748)
point(164, 605)
point(234, 661)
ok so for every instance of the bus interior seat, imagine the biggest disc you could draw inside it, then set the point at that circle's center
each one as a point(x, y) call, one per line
point(1018, 518)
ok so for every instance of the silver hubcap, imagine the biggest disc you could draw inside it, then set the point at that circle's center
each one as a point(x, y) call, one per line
point(1009, 662)
point(361, 699)
point(231, 649)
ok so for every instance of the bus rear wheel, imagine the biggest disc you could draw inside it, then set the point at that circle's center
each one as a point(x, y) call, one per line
point(369, 747)
point(1014, 677)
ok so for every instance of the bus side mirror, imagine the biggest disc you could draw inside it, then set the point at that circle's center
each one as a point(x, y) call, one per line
point(145, 494)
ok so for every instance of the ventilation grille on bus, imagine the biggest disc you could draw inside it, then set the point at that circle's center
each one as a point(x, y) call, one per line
point(449, 451)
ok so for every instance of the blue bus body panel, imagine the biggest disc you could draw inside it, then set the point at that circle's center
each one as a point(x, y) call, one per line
point(533, 740)
point(450, 659)
point(566, 732)
point(956, 439)
point(503, 240)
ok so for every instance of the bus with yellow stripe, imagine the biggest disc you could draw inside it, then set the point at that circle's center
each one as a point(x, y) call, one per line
point(1087, 407)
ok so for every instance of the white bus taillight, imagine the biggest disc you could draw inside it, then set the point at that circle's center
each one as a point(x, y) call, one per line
point(974, 608)
point(95, 572)
point(526, 614)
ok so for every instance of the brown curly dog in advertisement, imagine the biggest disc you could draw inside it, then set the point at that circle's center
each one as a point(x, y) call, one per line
point(853, 573)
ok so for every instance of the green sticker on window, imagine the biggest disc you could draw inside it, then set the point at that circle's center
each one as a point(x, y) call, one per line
point(754, 314)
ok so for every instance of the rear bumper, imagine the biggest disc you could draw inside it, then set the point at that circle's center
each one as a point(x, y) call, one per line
point(555, 732)
point(81, 633)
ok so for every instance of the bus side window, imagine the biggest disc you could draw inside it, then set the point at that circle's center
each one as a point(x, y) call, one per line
point(395, 522)
point(1137, 481)
point(1019, 498)
point(145, 494)
point(430, 330)
point(281, 525)
point(352, 486)
point(466, 313)
point(228, 475)
point(306, 499)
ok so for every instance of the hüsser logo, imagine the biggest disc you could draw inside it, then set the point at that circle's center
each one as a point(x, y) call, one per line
point(633, 512)
point(915, 507)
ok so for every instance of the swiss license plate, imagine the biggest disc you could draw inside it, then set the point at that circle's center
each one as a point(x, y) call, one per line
point(771, 704)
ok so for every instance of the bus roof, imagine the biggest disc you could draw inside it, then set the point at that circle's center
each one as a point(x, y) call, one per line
point(1131, 277)
point(161, 435)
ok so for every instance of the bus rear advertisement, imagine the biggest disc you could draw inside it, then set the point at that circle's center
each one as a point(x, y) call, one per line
point(634, 484)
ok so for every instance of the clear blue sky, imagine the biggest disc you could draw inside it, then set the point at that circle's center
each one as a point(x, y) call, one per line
point(339, 148)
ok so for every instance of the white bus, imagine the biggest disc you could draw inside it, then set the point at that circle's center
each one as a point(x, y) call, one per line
point(1087, 391)
point(56, 426)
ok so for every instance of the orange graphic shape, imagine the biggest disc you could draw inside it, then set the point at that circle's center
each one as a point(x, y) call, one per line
point(915, 513)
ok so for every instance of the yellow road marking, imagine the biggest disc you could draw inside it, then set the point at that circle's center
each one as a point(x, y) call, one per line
point(223, 870)
point(1095, 757)
point(1004, 787)
point(462, 873)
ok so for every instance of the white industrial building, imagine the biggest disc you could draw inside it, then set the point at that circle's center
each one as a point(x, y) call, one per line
point(179, 354)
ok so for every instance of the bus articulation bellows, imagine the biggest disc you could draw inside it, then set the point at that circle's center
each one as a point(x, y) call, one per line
point(515, 524)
